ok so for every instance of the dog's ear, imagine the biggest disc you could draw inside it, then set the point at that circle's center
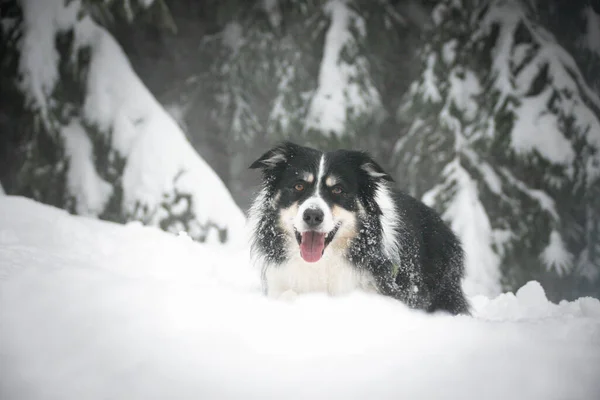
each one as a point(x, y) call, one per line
point(374, 170)
point(276, 156)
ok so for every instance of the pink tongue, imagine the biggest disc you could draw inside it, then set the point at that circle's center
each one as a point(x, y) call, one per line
point(312, 245)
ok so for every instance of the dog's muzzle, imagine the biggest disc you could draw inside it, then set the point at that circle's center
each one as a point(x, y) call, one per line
point(314, 228)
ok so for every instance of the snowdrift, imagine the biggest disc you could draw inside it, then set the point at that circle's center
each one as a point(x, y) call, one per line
point(95, 310)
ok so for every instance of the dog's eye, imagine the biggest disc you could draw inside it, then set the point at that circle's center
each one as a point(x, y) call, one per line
point(336, 190)
point(299, 187)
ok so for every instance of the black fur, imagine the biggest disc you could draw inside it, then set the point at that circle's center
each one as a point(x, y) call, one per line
point(426, 271)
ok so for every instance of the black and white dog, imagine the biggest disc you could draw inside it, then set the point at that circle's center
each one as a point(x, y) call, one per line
point(331, 222)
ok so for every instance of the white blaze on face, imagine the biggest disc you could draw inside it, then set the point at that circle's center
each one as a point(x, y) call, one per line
point(312, 238)
point(315, 202)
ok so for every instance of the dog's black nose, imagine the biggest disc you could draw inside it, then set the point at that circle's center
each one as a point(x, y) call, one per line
point(313, 217)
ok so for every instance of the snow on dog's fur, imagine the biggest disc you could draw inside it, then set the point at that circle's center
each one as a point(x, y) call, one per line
point(331, 222)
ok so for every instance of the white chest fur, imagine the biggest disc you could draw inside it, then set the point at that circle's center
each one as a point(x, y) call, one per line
point(332, 274)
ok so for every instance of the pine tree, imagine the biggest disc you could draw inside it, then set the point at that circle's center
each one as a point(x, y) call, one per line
point(505, 144)
point(259, 80)
point(313, 72)
point(91, 138)
point(576, 26)
point(251, 78)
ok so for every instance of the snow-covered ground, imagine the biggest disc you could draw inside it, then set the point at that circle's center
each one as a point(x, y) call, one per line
point(94, 310)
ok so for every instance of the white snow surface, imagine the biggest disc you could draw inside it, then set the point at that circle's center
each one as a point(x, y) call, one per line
point(95, 310)
point(159, 159)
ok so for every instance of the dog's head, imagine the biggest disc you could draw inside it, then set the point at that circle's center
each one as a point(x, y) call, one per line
point(318, 200)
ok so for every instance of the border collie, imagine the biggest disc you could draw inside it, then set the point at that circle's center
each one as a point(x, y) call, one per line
point(331, 222)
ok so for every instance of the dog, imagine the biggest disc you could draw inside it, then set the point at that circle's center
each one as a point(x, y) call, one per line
point(332, 222)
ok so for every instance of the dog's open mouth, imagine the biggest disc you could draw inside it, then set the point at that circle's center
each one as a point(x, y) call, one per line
point(313, 244)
